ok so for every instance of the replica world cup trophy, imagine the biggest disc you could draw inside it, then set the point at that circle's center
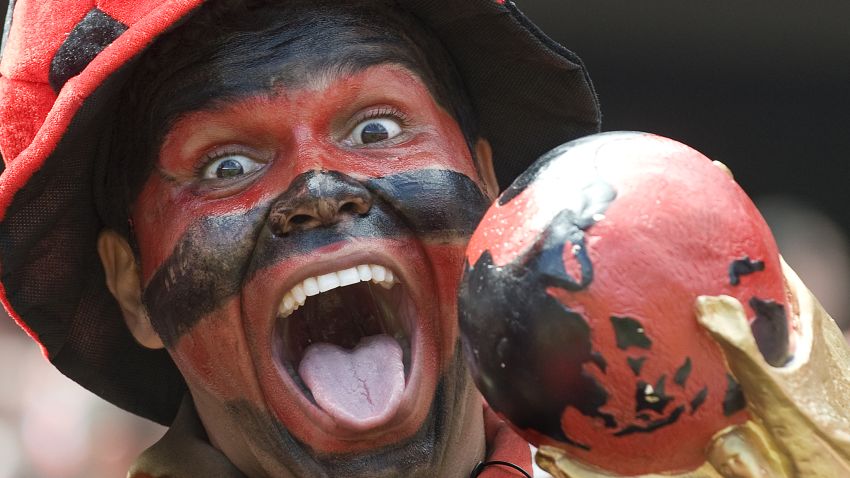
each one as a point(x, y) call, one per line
point(624, 306)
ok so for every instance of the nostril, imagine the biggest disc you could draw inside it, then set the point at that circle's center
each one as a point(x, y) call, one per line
point(300, 219)
point(348, 208)
point(354, 206)
point(318, 199)
point(351, 209)
point(284, 225)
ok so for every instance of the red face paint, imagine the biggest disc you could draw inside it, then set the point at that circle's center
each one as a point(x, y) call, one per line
point(208, 250)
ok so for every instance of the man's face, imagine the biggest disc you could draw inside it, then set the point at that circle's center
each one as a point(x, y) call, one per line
point(300, 251)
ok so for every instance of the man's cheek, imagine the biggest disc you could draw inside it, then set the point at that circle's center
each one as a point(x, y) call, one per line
point(204, 270)
point(158, 224)
point(447, 261)
point(214, 357)
point(165, 213)
point(441, 206)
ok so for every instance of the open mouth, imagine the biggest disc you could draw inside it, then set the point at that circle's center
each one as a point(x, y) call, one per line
point(345, 338)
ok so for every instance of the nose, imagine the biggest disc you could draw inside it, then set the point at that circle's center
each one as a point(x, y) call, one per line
point(316, 199)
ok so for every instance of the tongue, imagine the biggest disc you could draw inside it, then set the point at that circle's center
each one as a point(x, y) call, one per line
point(359, 388)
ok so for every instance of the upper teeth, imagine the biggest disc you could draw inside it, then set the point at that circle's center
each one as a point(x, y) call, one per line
point(311, 286)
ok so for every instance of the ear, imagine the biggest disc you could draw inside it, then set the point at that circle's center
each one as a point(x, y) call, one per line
point(122, 279)
point(484, 156)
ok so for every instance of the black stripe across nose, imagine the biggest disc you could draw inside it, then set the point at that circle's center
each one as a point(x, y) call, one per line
point(317, 199)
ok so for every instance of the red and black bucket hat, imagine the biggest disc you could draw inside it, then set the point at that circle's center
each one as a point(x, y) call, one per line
point(64, 61)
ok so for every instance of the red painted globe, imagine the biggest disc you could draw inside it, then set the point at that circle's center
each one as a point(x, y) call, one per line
point(577, 307)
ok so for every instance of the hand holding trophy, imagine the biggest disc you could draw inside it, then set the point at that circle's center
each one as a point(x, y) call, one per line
point(625, 308)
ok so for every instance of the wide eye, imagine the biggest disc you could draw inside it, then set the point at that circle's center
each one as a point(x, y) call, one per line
point(374, 130)
point(230, 166)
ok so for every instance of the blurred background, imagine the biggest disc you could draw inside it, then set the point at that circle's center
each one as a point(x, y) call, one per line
point(762, 86)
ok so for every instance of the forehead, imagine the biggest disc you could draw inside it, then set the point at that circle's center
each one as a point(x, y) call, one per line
point(328, 95)
point(219, 59)
point(293, 52)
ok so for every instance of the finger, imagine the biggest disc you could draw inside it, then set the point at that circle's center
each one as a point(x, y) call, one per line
point(724, 168)
point(724, 318)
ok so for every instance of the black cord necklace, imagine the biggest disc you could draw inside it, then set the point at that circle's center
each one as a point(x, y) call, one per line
point(479, 468)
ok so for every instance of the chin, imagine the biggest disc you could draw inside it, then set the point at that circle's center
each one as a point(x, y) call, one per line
point(357, 364)
point(448, 442)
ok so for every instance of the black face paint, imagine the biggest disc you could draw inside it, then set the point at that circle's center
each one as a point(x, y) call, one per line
point(416, 456)
point(437, 206)
point(733, 400)
point(218, 254)
point(742, 267)
point(316, 199)
point(421, 199)
point(630, 333)
point(206, 268)
point(770, 329)
point(233, 50)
